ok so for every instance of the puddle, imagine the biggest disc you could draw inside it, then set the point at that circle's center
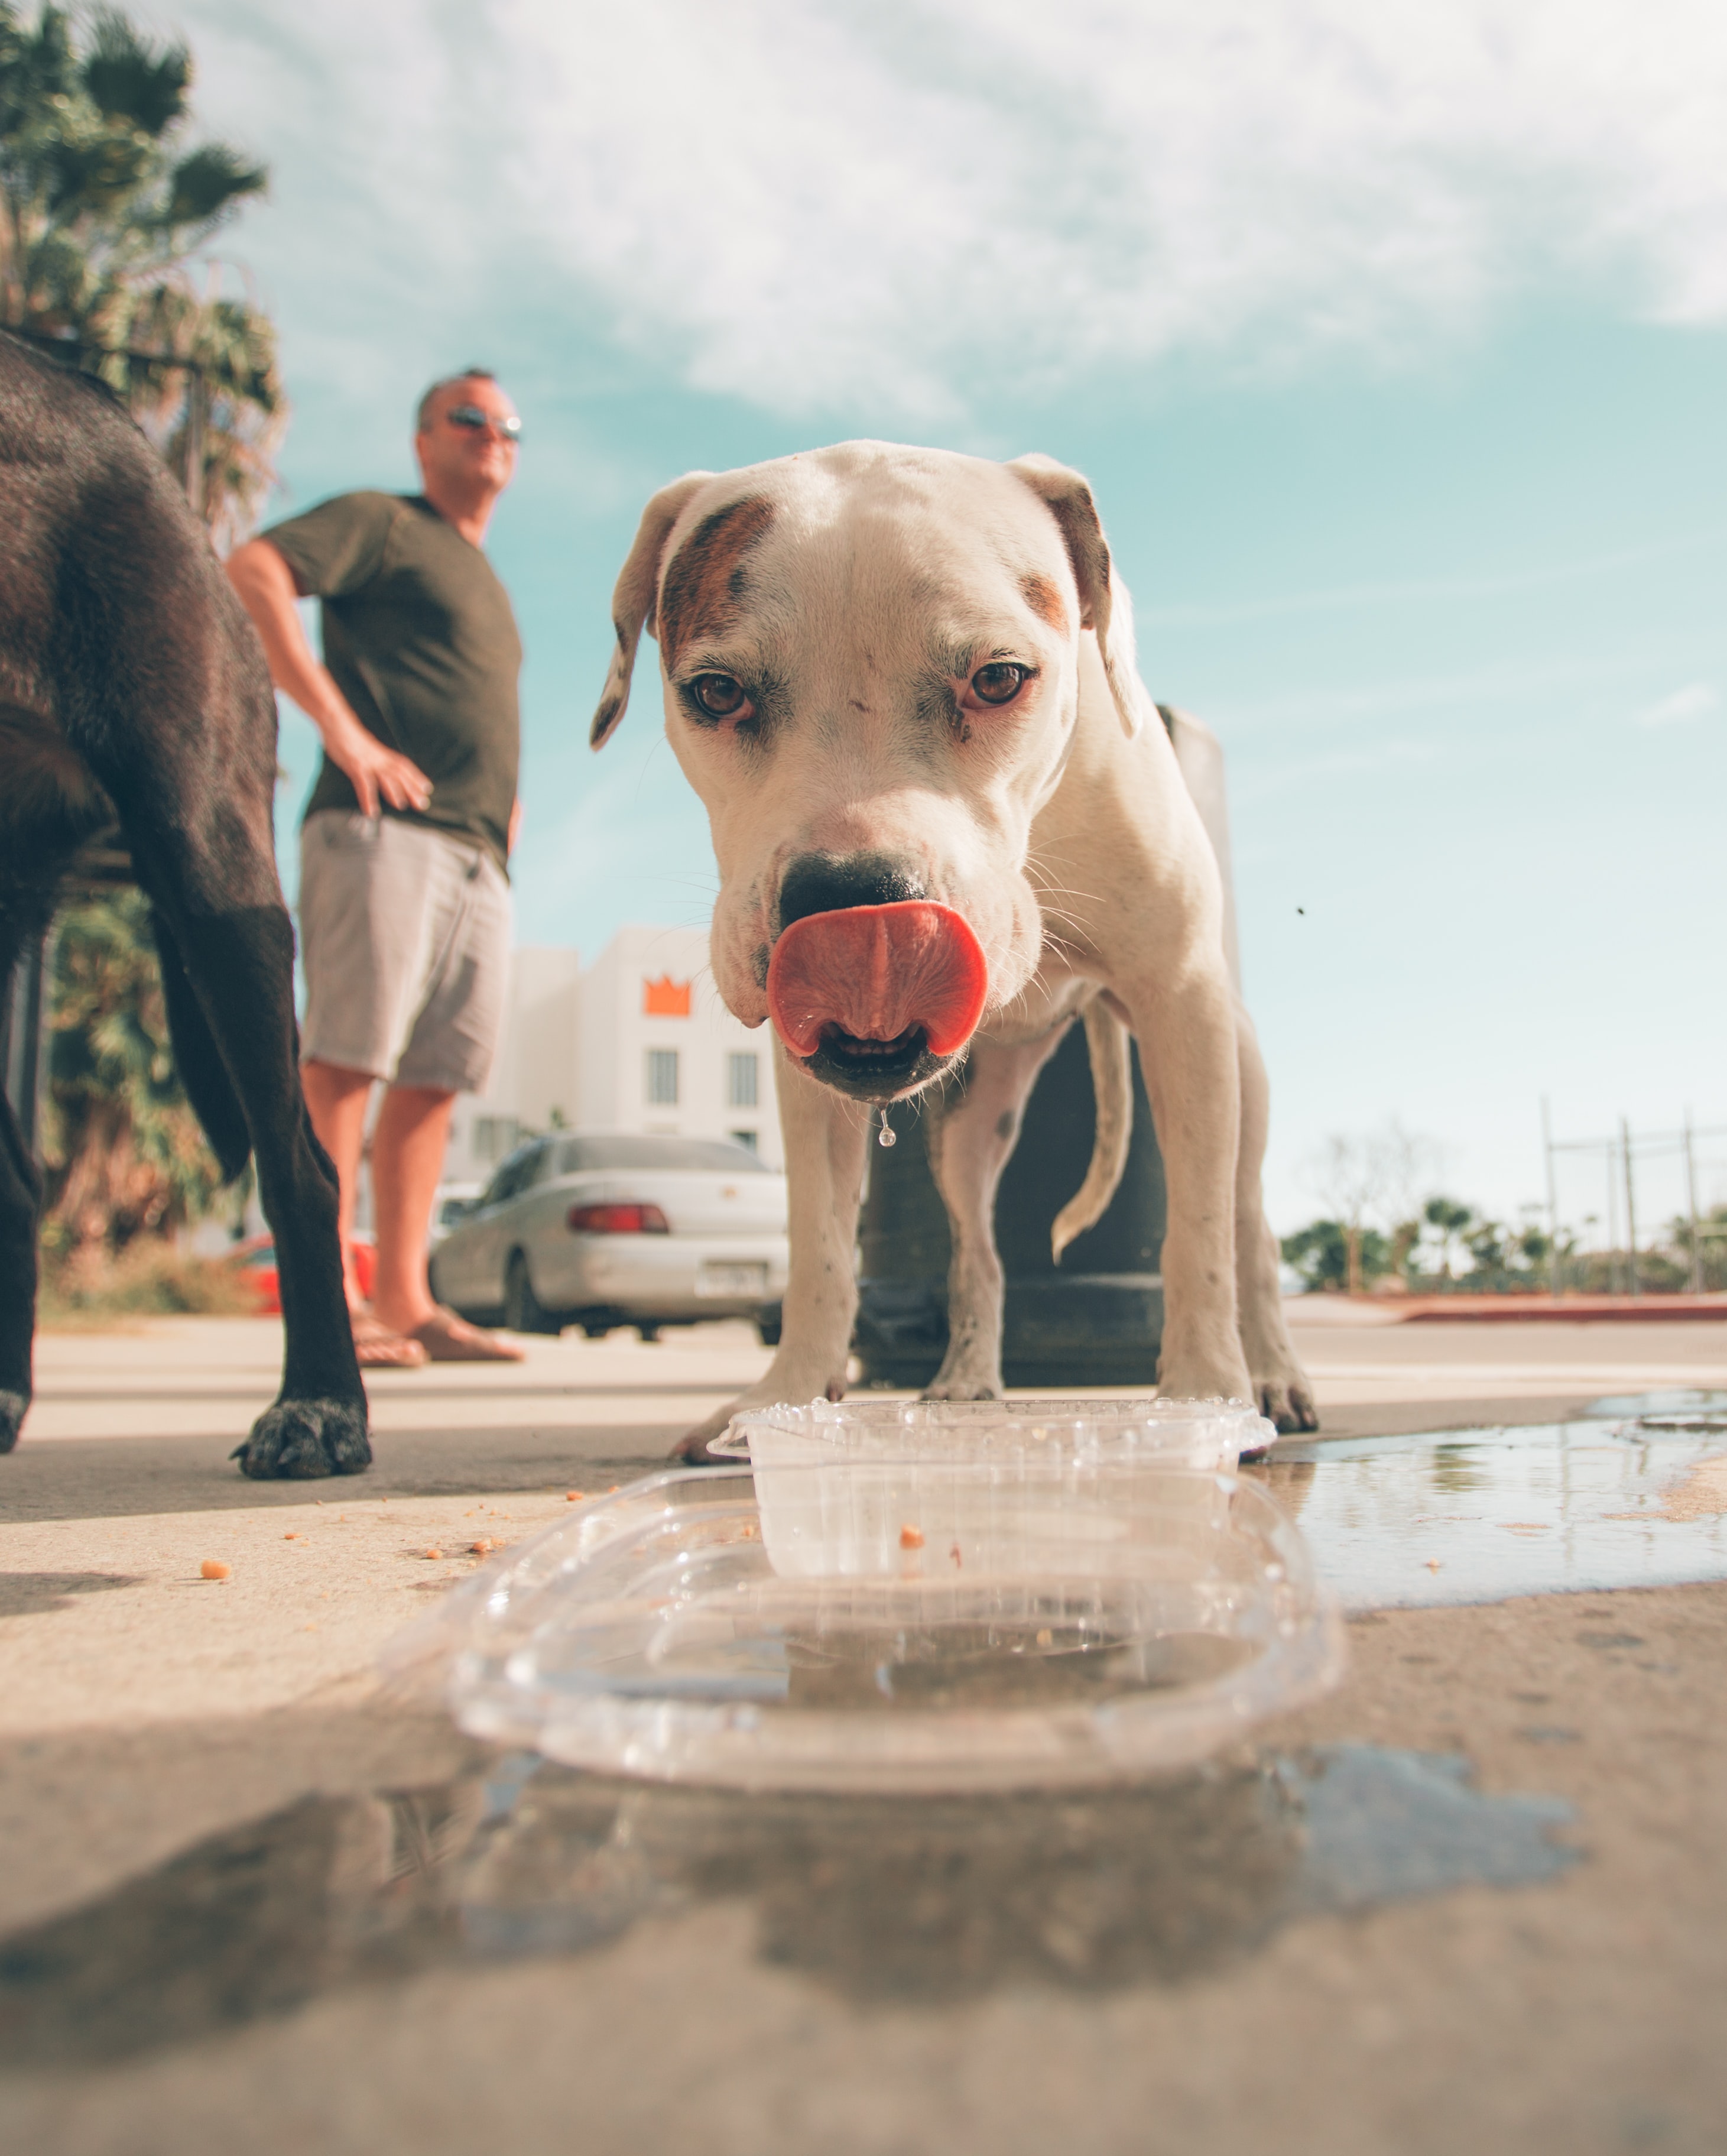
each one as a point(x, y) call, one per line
point(1632, 1495)
point(879, 1898)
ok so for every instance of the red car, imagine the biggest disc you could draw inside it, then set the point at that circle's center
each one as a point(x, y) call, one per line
point(256, 1260)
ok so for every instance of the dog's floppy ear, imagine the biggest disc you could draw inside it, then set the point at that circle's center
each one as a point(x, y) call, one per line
point(1103, 603)
point(633, 600)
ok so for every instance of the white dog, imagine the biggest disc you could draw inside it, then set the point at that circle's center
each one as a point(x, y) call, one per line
point(949, 821)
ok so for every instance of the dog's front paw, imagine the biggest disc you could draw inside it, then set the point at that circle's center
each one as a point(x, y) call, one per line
point(693, 1448)
point(1287, 1403)
point(303, 1440)
point(13, 1407)
point(961, 1386)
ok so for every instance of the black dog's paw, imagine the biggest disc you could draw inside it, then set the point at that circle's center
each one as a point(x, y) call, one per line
point(301, 1440)
point(13, 1407)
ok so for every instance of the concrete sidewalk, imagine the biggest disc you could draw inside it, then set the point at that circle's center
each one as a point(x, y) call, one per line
point(148, 1713)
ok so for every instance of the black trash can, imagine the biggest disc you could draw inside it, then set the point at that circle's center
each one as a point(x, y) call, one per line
point(1096, 1319)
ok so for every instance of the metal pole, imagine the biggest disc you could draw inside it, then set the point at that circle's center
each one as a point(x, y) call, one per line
point(1552, 1201)
point(1609, 1153)
point(1631, 1270)
point(1691, 1206)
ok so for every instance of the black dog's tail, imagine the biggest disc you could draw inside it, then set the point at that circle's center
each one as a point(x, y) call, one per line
point(198, 1059)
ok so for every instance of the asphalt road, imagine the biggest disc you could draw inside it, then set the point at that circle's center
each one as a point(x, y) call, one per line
point(250, 1898)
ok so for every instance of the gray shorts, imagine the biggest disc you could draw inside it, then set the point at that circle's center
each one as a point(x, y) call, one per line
point(404, 932)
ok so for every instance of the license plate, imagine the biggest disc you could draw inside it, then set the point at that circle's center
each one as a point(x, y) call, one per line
point(731, 1280)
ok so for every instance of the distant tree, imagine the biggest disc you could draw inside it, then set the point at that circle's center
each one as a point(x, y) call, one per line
point(1451, 1220)
point(1328, 1255)
point(105, 209)
point(1370, 1180)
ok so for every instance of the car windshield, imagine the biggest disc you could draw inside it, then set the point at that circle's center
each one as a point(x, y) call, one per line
point(632, 1154)
point(515, 1174)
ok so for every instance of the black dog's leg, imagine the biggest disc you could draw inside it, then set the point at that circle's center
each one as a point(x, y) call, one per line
point(22, 916)
point(20, 1200)
point(197, 1060)
point(242, 965)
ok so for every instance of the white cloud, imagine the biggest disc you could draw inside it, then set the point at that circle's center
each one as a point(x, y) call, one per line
point(1697, 700)
point(816, 202)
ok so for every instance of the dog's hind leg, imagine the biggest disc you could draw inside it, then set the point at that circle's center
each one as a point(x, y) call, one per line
point(242, 963)
point(20, 1201)
point(197, 1060)
point(1281, 1388)
point(21, 917)
point(972, 1135)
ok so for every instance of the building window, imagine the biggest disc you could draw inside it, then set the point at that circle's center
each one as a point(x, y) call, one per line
point(749, 1138)
point(741, 1082)
point(662, 1077)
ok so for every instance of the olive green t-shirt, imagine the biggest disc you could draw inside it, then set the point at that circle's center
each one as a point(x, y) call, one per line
point(420, 637)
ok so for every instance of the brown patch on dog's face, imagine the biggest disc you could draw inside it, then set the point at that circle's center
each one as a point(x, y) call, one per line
point(704, 586)
point(1045, 601)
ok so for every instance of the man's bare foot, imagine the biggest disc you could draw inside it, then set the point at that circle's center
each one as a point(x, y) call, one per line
point(376, 1347)
point(447, 1338)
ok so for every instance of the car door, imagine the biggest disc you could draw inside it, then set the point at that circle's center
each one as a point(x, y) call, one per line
point(470, 1261)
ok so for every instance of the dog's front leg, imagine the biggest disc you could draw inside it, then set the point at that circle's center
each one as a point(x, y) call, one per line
point(1188, 1052)
point(972, 1135)
point(1280, 1386)
point(825, 1135)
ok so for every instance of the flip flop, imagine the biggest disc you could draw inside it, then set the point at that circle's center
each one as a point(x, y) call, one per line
point(376, 1347)
point(447, 1338)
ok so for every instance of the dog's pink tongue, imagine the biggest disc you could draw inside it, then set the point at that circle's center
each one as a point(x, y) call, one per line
point(873, 971)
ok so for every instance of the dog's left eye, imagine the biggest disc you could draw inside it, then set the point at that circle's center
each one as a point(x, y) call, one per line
point(998, 683)
point(718, 697)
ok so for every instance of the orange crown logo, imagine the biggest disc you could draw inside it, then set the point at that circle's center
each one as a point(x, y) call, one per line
point(665, 997)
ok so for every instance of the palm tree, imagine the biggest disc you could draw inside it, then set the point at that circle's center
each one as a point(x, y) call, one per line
point(106, 210)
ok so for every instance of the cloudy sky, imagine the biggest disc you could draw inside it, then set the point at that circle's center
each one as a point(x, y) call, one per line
point(1393, 334)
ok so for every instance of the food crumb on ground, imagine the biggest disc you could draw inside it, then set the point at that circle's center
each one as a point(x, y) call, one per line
point(212, 1567)
point(483, 1547)
point(432, 1550)
point(1434, 1563)
point(911, 1537)
point(572, 1496)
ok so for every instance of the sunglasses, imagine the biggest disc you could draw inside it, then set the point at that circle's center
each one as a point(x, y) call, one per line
point(471, 417)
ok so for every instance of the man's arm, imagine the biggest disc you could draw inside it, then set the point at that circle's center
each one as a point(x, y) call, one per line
point(260, 574)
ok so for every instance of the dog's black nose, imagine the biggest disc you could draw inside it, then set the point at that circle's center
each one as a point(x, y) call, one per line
point(829, 883)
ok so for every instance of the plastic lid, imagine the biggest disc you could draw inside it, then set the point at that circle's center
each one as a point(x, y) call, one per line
point(897, 1625)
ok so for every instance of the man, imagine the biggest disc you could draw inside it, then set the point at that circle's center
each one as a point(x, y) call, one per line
point(404, 901)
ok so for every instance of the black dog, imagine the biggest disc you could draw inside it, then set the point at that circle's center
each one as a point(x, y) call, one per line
point(133, 687)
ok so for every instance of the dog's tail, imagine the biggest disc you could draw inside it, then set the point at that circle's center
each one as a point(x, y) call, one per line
point(1112, 1084)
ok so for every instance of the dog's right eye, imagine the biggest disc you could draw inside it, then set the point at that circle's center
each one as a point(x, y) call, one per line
point(718, 697)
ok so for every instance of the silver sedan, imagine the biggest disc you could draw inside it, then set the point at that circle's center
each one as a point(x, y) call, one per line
point(604, 1229)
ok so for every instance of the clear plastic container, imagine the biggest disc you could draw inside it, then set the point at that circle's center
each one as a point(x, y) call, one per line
point(1203, 1433)
point(1028, 1620)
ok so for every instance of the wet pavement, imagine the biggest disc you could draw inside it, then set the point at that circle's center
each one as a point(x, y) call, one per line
point(876, 1898)
point(1473, 1900)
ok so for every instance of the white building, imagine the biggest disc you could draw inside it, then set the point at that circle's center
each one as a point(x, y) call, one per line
point(640, 1041)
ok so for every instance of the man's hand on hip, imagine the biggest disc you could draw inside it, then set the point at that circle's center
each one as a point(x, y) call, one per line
point(372, 768)
point(260, 574)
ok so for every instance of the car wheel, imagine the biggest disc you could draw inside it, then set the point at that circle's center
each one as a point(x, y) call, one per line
point(650, 1332)
point(767, 1324)
point(522, 1312)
